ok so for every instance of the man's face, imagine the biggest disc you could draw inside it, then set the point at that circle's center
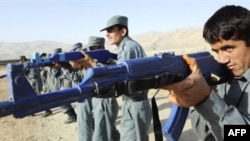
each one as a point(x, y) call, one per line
point(234, 54)
point(114, 35)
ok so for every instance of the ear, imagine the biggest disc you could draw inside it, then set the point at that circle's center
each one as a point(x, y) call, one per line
point(124, 31)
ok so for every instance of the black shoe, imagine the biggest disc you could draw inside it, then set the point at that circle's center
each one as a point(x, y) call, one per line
point(71, 116)
point(70, 119)
point(47, 113)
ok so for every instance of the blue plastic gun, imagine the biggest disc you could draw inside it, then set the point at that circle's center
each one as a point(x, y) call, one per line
point(101, 55)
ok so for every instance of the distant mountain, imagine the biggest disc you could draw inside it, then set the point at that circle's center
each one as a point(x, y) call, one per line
point(181, 41)
point(14, 50)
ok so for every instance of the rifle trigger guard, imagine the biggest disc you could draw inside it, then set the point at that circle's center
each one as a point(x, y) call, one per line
point(96, 88)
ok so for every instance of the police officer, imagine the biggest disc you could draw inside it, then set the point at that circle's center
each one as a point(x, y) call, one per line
point(44, 74)
point(59, 81)
point(227, 32)
point(136, 110)
point(96, 117)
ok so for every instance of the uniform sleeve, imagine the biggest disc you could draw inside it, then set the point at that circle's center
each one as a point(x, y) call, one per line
point(211, 116)
point(127, 53)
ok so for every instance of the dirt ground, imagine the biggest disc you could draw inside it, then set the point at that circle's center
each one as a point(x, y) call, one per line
point(52, 128)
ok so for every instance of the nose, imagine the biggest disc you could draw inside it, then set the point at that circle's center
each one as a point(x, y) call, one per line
point(222, 58)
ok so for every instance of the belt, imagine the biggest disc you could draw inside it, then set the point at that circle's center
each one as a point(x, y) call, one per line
point(138, 96)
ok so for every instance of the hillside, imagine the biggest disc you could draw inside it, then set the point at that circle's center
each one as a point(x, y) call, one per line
point(14, 50)
point(153, 42)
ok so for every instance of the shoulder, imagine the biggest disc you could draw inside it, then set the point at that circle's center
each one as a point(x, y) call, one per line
point(130, 44)
point(130, 41)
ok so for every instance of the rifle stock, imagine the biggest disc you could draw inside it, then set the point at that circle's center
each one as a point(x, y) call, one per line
point(172, 68)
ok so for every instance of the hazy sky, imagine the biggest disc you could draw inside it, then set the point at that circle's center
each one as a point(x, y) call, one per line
point(71, 21)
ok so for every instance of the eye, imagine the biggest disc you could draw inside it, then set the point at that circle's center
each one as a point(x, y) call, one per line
point(215, 50)
point(109, 30)
point(227, 48)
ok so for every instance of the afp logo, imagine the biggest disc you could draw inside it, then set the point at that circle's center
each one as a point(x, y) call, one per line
point(241, 132)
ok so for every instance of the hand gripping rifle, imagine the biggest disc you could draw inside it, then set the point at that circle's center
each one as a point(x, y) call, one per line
point(134, 74)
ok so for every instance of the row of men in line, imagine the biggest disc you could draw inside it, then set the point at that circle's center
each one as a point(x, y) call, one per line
point(96, 117)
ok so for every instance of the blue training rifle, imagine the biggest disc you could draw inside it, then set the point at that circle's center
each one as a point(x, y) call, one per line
point(101, 55)
point(153, 72)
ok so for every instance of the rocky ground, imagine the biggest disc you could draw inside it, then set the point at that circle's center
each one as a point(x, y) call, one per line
point(52, 128)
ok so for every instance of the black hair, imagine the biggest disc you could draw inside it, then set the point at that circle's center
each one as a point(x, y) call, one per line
point(229, 22)
point(43, 55)
point(78, 45)
point(23, 57)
